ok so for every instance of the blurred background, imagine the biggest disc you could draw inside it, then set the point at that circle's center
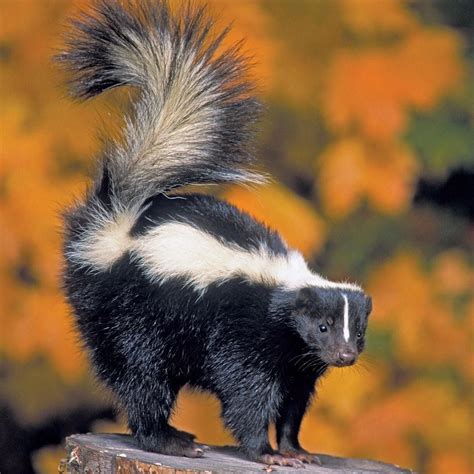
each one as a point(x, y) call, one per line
point(369, 135)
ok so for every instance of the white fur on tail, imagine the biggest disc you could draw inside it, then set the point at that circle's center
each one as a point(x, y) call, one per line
point(192, 120)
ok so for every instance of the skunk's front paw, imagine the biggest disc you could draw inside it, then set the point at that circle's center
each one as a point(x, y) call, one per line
point(279, 460)
point(301, 455)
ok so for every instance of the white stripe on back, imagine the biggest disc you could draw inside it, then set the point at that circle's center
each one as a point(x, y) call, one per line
point(179, 250)
point(176, 249)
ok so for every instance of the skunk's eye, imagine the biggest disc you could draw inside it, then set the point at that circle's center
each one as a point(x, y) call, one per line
point(359, 335)
point(323, 328)
point(330, 321)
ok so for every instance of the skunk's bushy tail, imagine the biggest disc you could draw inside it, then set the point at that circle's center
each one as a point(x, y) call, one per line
point(192, 119)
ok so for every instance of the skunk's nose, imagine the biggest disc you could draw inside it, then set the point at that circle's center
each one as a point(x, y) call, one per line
point(347, 357)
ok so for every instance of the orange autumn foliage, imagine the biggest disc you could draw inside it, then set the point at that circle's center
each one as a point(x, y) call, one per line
point(277, 207)
point(252, 24)
point(371, 16)
point(409, 413)
point(372, 91)
point(30, 225)
point(355, 70)
point(410, 303)
point(451, 461)
point(352, 169)
point(452, 274)
point(369, 93)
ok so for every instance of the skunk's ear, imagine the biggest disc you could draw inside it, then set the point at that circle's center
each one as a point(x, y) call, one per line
point(307, 297)
point(368, 305)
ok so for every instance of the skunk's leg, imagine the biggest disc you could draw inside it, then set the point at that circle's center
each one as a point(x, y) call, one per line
point(289, 420)
point(248, 418)
point(148, 414)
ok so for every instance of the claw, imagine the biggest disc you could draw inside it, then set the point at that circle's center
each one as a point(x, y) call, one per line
point(195, 452)
point(278, 459)
point(303, 456)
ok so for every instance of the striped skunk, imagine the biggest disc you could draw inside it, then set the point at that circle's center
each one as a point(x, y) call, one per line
point(173, 288)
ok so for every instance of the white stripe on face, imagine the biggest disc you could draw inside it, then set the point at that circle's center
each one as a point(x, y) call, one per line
point(346, 332)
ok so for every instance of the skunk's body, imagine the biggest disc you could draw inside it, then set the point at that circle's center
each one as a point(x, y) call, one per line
point(173, 289)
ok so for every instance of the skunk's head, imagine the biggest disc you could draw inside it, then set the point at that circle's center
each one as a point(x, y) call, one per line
point(332, 322)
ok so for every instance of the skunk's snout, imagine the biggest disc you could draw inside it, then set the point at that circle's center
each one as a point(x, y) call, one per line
point(347, 357)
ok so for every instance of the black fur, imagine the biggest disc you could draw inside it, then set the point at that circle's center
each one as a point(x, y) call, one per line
point(259, 348)
point(216, 217)
point(255, 347)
